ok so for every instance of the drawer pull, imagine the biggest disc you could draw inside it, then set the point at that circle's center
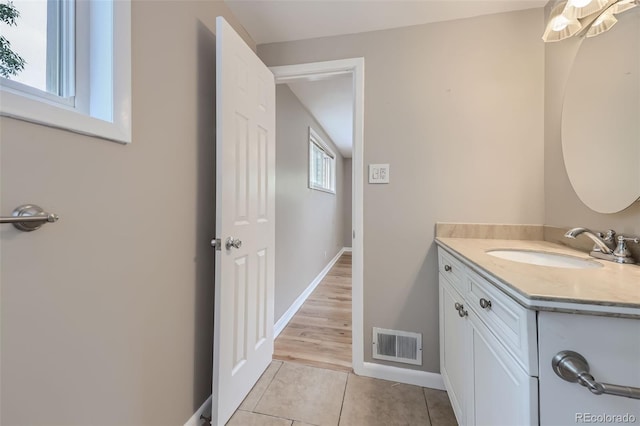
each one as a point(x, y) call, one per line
point(460, 308)
point(485, 304)
point(573, 367)
point(447, 268)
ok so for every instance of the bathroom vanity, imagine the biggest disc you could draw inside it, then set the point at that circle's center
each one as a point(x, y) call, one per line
point(502, 322)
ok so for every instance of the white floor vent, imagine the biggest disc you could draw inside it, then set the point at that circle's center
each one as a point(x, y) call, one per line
point(398, 346)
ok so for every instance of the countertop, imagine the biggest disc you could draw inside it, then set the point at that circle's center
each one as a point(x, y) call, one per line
point(613, 289)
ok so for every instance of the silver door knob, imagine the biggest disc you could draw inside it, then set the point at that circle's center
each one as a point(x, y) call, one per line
point(232, 243)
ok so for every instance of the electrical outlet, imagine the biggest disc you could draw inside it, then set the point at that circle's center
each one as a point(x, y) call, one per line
point(378, 173)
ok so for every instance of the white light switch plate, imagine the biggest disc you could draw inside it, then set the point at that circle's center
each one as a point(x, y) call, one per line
point(378, 173)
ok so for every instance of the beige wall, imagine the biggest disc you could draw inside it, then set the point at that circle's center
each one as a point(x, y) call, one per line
point(563, 208)
point(347, 197)
point(456, 108)
point(309, 223)
point(107, 315)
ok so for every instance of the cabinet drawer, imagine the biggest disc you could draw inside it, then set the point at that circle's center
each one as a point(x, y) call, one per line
point(513, 325)
point(453, 270)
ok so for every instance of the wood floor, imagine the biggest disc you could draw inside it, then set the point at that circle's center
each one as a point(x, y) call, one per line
point(319, 334)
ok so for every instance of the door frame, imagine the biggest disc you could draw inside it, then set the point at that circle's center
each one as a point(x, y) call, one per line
point(355, 67)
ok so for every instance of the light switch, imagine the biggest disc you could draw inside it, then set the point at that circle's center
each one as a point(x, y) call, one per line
point(378, 173)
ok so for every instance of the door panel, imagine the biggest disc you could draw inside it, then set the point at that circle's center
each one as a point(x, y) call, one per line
point(502, 393)
point(245, 194)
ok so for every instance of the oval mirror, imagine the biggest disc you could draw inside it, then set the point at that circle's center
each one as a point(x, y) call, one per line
point(601, 118)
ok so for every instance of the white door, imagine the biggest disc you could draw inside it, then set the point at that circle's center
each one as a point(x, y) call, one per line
point(245, 196)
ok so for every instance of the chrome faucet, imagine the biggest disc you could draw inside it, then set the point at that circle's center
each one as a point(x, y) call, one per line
point(605, 247)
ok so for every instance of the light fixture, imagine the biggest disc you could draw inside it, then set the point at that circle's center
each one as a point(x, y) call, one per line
point(559, 26)
point(624, 5)
point(584, 17)
point(603, 23)
point(576, 9)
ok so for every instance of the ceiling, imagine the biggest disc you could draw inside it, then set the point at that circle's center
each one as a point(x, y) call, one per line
point(330, 101)
point(269, 21)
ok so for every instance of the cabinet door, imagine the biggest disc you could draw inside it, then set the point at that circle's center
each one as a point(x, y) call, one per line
point(611, 346)
point(453, 348)
point(501, 392)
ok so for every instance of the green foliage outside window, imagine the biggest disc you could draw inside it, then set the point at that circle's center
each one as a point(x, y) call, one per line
point(10, 62)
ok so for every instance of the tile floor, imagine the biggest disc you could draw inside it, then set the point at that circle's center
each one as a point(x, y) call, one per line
point(290, 394)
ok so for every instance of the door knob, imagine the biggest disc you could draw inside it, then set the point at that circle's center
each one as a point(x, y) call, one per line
point(232, 243)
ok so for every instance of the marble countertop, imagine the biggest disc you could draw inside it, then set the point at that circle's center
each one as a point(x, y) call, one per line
point(613, 289)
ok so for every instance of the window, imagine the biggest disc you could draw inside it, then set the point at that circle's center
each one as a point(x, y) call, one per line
point(322, 164)
point(69, 65)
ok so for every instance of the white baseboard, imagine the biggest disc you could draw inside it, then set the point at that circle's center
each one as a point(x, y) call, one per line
point(297, 304)
point(347, 250)
point(205, 408)
point(402, 375)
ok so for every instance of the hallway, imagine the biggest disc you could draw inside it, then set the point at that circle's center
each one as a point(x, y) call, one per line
point(319, 334)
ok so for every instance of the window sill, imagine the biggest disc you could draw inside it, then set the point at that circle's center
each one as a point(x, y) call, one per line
point(328, 191)
point(23, 107)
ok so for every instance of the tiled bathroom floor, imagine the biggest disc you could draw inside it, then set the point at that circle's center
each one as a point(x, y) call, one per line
point(290, 394)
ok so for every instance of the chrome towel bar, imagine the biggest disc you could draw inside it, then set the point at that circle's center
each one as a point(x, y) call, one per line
point(29, 217)
point(573, 367)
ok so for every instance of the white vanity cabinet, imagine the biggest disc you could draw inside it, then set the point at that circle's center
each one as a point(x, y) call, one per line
point(488, 352)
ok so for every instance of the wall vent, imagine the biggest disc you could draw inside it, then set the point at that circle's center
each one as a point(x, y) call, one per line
point(397, 346)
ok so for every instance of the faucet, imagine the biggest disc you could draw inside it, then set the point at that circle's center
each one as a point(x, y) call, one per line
point(605, 247)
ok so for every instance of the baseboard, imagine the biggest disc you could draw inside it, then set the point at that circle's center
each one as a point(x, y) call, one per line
point(297, 304)
point(402, 375)
point(347, 250)
point(205, 408)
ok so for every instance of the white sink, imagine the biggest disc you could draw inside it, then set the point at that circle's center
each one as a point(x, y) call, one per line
point(544, 258)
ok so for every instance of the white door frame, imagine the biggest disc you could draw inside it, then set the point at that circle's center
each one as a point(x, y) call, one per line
point(355, 67)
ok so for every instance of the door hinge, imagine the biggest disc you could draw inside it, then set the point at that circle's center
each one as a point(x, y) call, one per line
point(216, 243)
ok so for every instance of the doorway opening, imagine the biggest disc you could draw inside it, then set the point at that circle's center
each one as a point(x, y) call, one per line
point(319, 318)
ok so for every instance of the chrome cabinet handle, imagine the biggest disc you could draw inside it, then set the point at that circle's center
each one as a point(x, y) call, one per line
point(484, 303)
point(232, 243)
point(29, 217)
point(447, 268)
point(460, 308)
point(573, 367)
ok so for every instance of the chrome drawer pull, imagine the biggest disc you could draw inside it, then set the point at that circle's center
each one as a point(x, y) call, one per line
point(485, 304)
point(460, 308)
point(573, 367)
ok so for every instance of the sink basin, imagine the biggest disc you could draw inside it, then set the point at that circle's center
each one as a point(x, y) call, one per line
point(544, 258)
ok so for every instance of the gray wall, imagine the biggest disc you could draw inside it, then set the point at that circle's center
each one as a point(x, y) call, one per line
point(563, 208)
point(309, 223)
point(347, 195)
point(107, 315)
point(456, 108)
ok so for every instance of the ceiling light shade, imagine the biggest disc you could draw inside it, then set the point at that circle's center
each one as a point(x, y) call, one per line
point(604, 23)
point(624, 5)
point(576, 9)
point(559, 26)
